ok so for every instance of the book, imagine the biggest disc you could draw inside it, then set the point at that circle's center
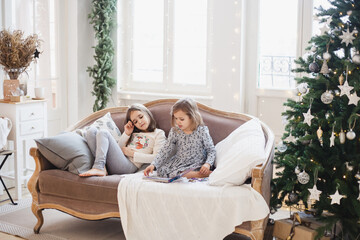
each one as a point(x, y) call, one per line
point(165, 179)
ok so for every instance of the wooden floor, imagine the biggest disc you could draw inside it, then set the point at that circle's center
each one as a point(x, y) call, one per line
point(3, 201)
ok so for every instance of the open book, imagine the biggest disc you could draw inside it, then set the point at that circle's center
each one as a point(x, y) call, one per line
point(165, 179)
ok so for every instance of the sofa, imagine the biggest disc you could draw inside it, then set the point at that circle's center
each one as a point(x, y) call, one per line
point(95, 198)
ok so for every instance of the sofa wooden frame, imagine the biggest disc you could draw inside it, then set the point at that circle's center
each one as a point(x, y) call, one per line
point(261, 175)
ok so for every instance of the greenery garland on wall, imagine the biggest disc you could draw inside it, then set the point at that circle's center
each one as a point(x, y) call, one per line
point(102, 18)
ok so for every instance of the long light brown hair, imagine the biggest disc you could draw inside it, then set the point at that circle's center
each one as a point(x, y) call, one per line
point(139, 107)
point(190, 108)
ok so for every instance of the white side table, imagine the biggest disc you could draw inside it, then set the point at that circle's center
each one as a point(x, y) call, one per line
point(29, 119)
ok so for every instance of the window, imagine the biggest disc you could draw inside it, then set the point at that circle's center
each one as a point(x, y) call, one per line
point(162, 45)
point(277, 43)
point(40, 17)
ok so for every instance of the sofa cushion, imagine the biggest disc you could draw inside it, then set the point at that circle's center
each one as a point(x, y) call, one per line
point(105, 122)
point(238, 153)
point(65, 184)
point(67, 151)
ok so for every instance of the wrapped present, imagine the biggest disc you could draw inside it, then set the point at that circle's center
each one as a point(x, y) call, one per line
point(299, 228)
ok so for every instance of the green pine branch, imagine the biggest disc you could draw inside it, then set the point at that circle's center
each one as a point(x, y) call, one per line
point(102, 17)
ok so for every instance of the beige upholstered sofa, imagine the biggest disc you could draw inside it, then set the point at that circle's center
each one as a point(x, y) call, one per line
point(95, 198)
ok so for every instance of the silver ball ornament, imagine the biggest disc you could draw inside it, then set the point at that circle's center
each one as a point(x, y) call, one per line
point(293, 197)
point(326, 56)
point(314, 67)
point(281, 147)
point(313, 49)
point(302, 88)
point(356, 59)
point(327, 97)
point(303, 177)
point(350, 135)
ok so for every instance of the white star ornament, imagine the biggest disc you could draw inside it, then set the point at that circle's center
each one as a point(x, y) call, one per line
point(335, 198)
point(308, 117)
point(345, 89)
point(347, 37)
point(314, 193)
point(353, 99)
point(324, 29)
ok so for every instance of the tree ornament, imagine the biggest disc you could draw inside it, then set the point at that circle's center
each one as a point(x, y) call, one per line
point(324, 68)
point(353, 99)
point(303, 88)
point(355, 31)
point(348, 167)
point(345, 89)
point(326, 56)
point(349, 12)
point(319, 134)
point(314, 67)
point(293, 197)
point(281, 147)
point(342, 136)
point(341, 79)
point(297, 170)
point(314, 193)
point(313, 49)
point(332, 139)
point(347, 37)
point(327, 97)
point(308, 117)
point(303, 177)
point(335, 198)
point(351, 134)
point(356, 58)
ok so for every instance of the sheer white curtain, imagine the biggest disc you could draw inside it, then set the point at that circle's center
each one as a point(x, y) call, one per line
point(39, 17)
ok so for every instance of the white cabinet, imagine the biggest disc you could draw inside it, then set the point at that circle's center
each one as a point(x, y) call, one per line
point(29, 119)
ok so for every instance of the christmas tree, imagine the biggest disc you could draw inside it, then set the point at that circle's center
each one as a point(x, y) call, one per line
point(319, 156)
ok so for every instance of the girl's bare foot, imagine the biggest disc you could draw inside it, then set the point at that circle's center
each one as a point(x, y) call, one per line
point(93, 172)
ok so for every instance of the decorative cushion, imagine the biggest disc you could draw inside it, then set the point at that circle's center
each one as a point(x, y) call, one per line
point(105, 122)
point(67, 151)
point(238, 153)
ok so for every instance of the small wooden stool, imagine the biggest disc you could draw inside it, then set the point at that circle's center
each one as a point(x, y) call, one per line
point(6, 153)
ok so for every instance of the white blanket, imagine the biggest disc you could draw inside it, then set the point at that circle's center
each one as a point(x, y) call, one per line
point(185, 210)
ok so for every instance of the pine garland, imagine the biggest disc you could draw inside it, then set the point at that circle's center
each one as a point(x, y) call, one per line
point(102, 17)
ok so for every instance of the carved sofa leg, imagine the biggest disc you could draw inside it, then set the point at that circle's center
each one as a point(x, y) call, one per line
point(38, 214)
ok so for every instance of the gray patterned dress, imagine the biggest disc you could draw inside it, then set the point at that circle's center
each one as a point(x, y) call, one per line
point(183, 151)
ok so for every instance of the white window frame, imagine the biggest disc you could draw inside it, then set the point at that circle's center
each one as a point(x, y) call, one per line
point(167, 86)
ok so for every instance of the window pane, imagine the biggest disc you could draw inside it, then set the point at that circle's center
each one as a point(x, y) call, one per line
point(189, 42)
point(277, 43)
point(147, 41)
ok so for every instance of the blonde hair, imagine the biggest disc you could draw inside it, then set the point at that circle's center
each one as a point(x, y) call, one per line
point(144, 110)
point(190, 108)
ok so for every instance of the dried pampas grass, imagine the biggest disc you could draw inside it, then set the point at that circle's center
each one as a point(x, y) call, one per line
point(16, 52)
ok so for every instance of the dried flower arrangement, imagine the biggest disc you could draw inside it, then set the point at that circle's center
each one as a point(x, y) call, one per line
point(16, 52)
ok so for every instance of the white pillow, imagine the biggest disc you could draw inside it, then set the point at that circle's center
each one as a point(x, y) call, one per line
point(238, 153)
point(105, 122)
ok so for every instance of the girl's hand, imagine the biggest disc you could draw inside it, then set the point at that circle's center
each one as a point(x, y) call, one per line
point(205, 169)
point(149, 169)
point(128, 151)
point(129, 128)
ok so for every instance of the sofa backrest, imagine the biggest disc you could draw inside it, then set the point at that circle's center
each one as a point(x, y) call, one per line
point(220, 123)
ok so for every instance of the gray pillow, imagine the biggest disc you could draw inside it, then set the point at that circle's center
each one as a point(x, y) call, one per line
point(67, 151)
